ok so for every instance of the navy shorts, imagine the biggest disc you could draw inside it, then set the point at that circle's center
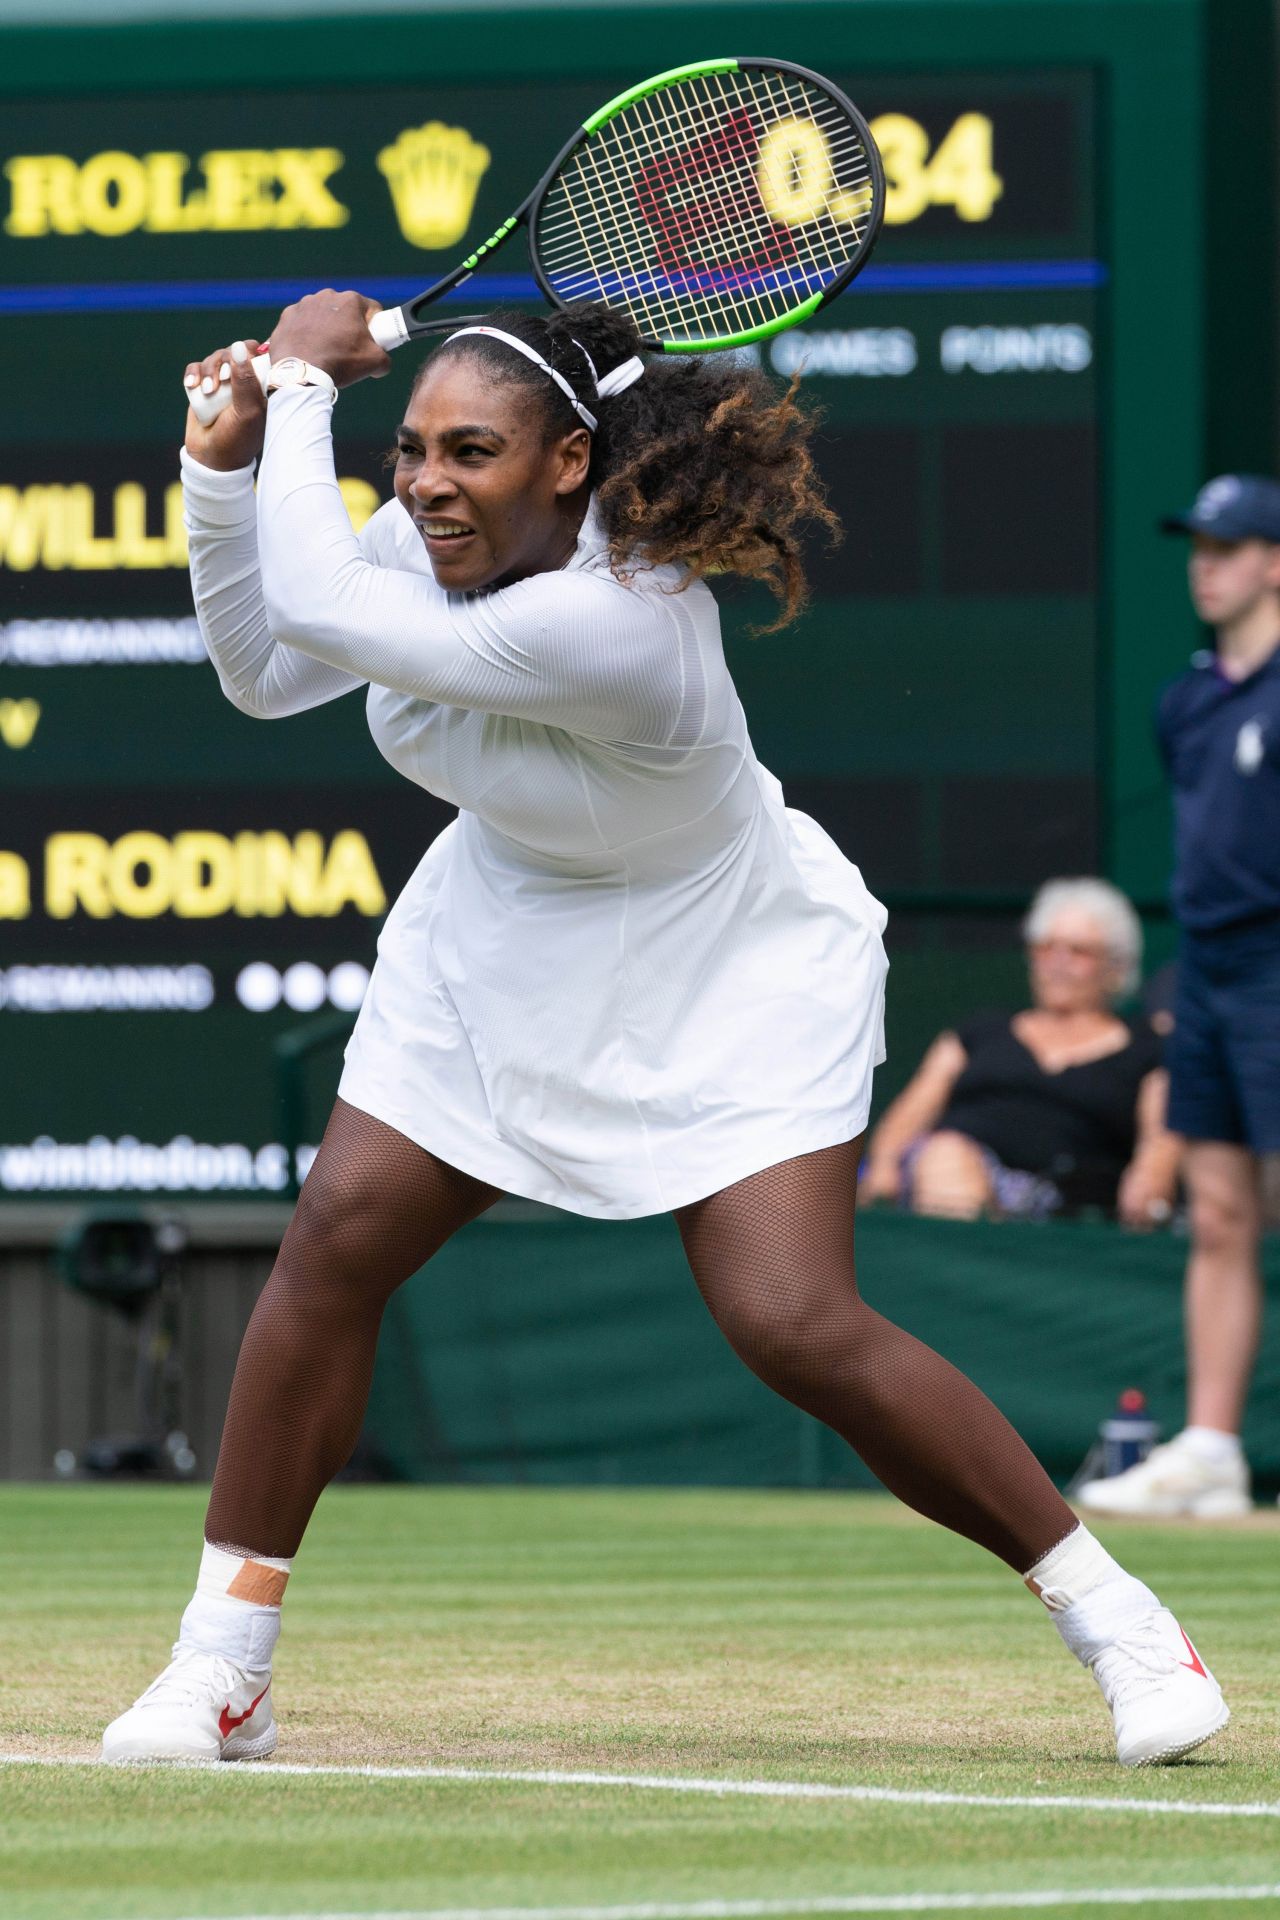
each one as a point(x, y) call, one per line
point(1224, 1052)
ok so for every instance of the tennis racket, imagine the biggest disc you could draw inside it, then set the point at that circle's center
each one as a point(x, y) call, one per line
point(716, 204)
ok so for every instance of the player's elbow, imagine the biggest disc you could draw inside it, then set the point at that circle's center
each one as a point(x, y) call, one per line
point(291, 614)
point(256, 698)
point(304, 610)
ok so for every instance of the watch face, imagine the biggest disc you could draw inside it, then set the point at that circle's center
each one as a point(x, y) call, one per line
point(288, 369)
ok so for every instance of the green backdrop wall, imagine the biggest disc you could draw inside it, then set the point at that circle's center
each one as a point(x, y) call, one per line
point(546, 1349)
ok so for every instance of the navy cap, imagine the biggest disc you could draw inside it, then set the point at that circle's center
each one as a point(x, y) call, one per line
point(1235, 506)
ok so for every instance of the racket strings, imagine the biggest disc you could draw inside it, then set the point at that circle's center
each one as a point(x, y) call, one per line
point(685, 228)
point(847, 158)
point(735, 207)
point(609, 241)
point(617, 164)
point(666, 209)
point(844, 155)
point(622, 253)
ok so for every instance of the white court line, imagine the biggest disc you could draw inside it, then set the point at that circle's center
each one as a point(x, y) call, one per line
point(838, 1903)
point(682, 1783)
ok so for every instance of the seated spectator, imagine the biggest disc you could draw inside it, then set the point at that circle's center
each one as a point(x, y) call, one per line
point(1054, 1110)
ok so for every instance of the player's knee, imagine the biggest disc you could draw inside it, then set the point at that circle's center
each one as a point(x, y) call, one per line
point(329, 1236)
point(790, 1340)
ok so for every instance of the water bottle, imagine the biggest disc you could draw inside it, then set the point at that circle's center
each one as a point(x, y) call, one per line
point(1129, 1435)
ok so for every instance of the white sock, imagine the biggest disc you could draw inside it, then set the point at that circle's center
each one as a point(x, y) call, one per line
point(1211, 1444)
point(236, 1607)
point(1089, 1595)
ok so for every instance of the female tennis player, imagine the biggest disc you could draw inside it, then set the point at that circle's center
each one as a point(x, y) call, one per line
point(626, 980)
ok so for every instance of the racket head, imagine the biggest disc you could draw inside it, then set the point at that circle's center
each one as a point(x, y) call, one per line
point(717, 204)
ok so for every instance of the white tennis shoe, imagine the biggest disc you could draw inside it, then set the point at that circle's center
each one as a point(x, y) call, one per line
point(1173, 1482)
point(202, 1707)
point(1163, 1699)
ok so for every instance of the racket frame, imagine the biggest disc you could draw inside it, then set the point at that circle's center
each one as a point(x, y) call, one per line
point(526, 215)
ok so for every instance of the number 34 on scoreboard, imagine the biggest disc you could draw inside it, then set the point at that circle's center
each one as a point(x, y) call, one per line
point(797, 183)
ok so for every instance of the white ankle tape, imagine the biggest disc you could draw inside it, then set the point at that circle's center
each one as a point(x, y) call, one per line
point(1104, 1615)
point(254, 1579)
point(1090, 1596)
point(246, 1635)
point(1077, 1565)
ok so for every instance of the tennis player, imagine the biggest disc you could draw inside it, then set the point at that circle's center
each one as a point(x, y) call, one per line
point(626, 980)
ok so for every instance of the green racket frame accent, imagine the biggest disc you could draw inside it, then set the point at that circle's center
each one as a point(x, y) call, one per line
point(762, 332)
point(658, 81)
point(486, 246)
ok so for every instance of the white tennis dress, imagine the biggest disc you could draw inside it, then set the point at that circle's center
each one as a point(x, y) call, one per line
point(627, 975)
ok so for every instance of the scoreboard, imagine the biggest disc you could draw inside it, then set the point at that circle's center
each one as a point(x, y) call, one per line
point(963, 707)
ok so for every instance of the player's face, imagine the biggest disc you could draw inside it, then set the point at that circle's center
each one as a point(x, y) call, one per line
point(1072, 970)
point(491, 500)
point(1229, 578)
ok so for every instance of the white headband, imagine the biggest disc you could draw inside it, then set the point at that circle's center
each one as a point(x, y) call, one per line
point(615, 382)
point(587, 418)
point(623, 376)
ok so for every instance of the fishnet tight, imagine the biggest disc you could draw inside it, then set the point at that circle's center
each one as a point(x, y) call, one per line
point(773, 1259)
point(374, 1209)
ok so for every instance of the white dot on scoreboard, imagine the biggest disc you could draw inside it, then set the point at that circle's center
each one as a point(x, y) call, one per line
point(305, 986)
point(348, 983)
point(258, 987)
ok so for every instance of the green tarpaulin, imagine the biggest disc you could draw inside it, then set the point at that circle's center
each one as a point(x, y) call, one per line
point(546, 1348)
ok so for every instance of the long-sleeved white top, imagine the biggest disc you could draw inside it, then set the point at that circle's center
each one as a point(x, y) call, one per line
point(627, 975)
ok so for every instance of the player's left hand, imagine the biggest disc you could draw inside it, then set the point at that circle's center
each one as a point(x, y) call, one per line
point(331, 330)
point(234, 437)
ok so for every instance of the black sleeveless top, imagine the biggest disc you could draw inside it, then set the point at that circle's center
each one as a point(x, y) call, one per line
point(1077, 1127)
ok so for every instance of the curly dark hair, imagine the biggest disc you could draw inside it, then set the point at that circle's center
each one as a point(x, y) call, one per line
point(703, 462)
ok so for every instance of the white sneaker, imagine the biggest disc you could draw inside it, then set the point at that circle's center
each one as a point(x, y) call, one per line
point(203, 1707)
point(1162, 1697)
point(1172, 1482)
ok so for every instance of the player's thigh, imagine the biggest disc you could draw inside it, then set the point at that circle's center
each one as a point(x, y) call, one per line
point(775, 1243)
point(772, 1257)
point(376, 1203)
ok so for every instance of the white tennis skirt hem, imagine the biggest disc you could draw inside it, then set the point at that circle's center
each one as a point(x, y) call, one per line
point(514, 1173)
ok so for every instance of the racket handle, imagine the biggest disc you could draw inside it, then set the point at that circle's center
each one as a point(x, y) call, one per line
point(207, 406)
point(388, 329)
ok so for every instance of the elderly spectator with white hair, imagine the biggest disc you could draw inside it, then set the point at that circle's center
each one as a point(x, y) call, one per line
point(1060, 1106)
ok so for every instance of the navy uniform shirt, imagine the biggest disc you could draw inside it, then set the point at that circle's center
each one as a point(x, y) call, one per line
point(1221, 743)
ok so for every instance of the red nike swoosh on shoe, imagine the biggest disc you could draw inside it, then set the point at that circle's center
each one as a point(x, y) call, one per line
point(1194, 1664)
point(228, 1721)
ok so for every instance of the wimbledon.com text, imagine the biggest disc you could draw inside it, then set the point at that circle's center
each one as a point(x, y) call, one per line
point(130, 1165)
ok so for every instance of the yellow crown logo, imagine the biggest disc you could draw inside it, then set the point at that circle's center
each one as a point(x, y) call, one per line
point(434, 172)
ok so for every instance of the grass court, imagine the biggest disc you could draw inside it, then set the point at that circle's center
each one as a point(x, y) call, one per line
point(778, 1639)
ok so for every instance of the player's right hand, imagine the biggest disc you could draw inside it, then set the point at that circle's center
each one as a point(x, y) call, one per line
point(235, 438)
